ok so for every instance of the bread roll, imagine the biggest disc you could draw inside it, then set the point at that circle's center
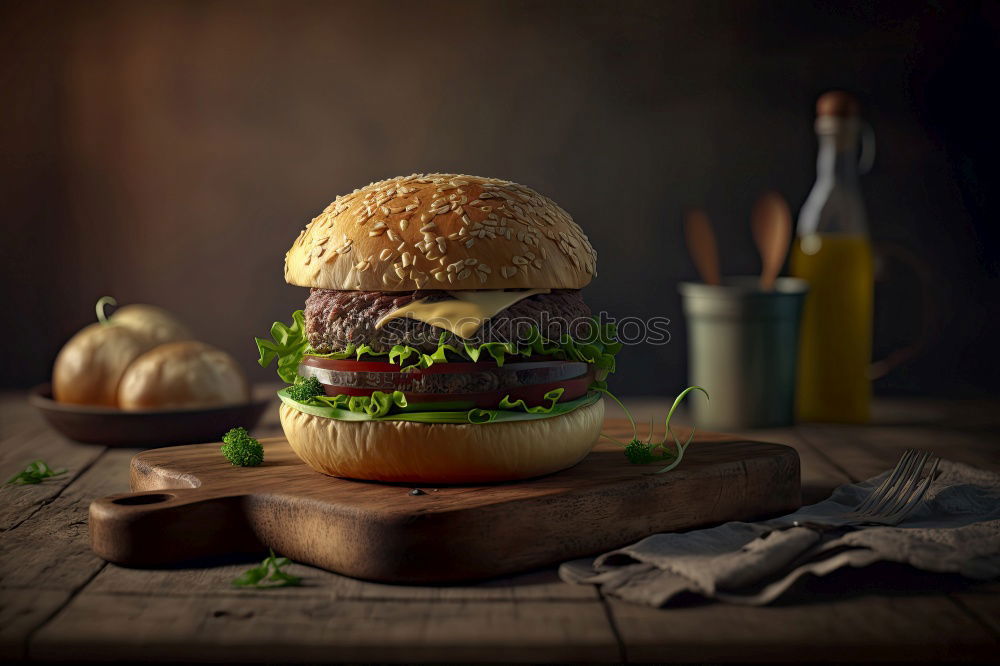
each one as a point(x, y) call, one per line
point(182, 375)
point(90, 366)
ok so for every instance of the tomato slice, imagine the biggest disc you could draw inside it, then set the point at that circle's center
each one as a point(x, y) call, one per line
point(457, 385)
point(474, 378)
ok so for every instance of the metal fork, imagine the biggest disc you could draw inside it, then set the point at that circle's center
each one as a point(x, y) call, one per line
point(894, 499)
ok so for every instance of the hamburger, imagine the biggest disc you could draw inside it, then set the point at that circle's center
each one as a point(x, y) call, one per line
point(444, 338)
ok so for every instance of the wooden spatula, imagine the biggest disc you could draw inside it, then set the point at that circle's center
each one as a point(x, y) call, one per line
point(771, 224)
point(701, 245)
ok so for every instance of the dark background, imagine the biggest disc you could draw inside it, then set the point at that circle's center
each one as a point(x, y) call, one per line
point(169, 152)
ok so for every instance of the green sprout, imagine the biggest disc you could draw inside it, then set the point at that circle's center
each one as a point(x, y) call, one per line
point(268, 574)
point(241, 449)
point(639, 452)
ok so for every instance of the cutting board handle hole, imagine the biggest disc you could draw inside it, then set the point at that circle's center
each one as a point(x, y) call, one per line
point(135, 500)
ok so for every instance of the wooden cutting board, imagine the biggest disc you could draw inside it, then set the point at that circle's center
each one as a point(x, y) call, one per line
point(189, 504)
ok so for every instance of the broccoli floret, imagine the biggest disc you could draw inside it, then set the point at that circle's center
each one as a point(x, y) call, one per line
point(241, 449)
point(639, 453)
point(305, 389)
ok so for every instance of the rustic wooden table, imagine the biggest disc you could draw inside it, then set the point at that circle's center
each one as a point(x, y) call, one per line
point(58, 601)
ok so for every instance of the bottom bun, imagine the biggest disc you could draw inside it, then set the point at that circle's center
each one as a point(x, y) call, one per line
point(442, 452)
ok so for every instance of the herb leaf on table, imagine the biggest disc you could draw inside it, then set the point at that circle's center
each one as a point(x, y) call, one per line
point(268, 574)
point(35, 472)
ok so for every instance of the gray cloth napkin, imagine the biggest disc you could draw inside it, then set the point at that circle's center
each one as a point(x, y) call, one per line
point(956, 529)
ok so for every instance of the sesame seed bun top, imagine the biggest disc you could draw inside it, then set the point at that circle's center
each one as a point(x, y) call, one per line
point(441, 231)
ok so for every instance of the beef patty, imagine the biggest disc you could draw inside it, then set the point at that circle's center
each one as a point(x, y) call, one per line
point(335, 319)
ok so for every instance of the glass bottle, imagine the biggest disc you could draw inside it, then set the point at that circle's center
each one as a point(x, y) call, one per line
point(833, 252)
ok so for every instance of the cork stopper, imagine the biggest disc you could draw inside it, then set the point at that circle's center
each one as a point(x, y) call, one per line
point(838, 103)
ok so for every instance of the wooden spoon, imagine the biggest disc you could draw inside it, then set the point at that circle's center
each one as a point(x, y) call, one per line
point(701, 245)
point(771, 224)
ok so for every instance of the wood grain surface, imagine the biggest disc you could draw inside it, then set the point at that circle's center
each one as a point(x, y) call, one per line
point(190, 503)
point(58, 600)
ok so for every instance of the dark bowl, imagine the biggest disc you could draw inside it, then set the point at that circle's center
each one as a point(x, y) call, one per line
point(115, 427)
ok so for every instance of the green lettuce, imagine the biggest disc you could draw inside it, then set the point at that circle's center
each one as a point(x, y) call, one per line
point(376, 405)
point(393, 407)
point(289, 345)
point(552, 397)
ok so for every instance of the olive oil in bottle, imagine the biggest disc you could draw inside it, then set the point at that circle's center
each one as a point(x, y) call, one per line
point(832, 251)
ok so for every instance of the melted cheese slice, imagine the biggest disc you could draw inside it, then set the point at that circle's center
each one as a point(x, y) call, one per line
point(464, 313)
